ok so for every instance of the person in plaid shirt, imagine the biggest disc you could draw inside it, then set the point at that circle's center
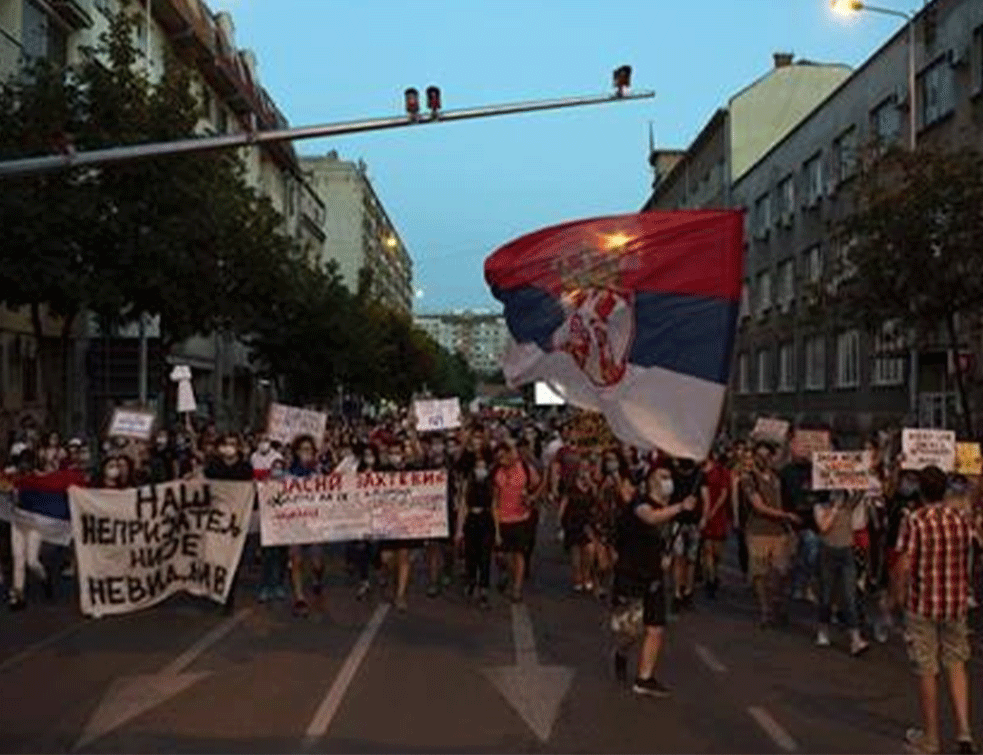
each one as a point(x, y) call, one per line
point(933, 555)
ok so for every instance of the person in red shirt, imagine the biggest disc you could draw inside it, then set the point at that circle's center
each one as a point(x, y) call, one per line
point(513, 482)
point(715, 492)
point(933, 554)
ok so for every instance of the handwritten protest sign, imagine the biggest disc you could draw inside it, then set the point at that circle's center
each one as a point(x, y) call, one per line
point(434, 415)
point(927, 448)
point(286, 423)
point(843, 470)
point(132, 423)
point(137, 547)
point(807, 442)
point(969, 460)
point(770, 429)
point(354, 506)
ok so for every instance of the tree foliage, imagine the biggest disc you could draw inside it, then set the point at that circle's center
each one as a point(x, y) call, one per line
point(911, 250)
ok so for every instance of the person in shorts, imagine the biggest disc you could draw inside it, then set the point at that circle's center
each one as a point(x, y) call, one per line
point(639, 595)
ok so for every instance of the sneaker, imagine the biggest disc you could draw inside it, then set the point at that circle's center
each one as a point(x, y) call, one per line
point(16, 601)
point(966, 747)
point(280, 593)
point(971, 602)
point(859, 647)
point(301, 608)
point(650, 688)
point(363, 590)
point(433, 591)
point(401, 605)
point(620, 667)
point(881, 633)
point(822, 639)
point(917, 742)
point(265, 595)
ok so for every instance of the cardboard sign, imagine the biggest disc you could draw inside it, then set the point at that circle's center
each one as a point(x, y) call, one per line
point(843, 470)
point(435, 415)
point(132, 423)
point(354, 506)
point(770, 429)
point(969, 459)
point(287, 423)
point(137, 547)
point(928, 448)
point(805, 443)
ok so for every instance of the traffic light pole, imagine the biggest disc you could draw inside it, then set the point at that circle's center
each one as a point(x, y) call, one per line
point(70, 159)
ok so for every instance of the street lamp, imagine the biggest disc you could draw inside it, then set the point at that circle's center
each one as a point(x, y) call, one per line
point(853, 6)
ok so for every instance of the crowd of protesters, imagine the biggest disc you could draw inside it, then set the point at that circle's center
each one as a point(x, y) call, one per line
point(643, 531)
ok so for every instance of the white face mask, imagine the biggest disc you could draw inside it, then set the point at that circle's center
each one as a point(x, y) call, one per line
point(227, 451)
point(264, 446)
point(668, 488)
point(480, 474)
point(112, 472)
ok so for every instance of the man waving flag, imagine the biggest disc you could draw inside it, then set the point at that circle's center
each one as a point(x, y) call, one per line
point(633, 316)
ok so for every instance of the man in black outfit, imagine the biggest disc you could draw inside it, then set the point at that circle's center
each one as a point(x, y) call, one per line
point(639, 597)
point(230, 465)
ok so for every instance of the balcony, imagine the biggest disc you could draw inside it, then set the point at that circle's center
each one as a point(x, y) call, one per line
point(10, 55)
point(72, 13)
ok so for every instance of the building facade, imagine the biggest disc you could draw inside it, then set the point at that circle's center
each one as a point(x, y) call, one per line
point(359, 236)
point(480, 337)
point(105, 366)
point(816, 371)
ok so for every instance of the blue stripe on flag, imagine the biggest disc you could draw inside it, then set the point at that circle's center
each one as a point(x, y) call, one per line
point(690, 335)
point(52, 505)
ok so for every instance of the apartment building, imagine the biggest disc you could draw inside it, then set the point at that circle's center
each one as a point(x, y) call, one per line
point(820, 371)
point(359, 234)
point(481, 337)
point(106, 365)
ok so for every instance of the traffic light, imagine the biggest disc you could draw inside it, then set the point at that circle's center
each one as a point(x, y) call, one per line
point(433, 99)
point(622, 80)
point(412, 102)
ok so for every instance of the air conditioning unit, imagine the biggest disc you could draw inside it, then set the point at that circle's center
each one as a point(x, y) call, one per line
point(959, 56)
point(901, 96)
point(830, 186)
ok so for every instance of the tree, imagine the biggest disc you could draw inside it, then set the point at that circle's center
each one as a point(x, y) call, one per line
point(911, 247)
point(183, 238)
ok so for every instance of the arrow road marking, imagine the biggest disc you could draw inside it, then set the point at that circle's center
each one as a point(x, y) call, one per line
point(773, 729)
point(534, 691)
point(132, 696)
point(329, 706)
point(709, 659)
point(37, 647)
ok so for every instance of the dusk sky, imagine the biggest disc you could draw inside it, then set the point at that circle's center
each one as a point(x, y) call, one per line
point(458, 191)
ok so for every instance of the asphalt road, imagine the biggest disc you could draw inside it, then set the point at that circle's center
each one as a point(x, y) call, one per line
point(442, 677)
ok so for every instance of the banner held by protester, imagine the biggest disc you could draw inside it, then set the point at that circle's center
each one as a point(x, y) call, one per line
point(354, 506)
point(137, 547)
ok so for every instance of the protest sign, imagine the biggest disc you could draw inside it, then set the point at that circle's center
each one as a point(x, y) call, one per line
point(927, 448)
point(137, 547)
point(286, 423)
point(770, 429)
point(132, 423)
point(434, 415)
point(969, 460)
point(807, 442)
point(354, 506)
point(843, 470)
point(186, 403)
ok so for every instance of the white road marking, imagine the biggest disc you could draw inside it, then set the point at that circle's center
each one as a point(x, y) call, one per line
point(329, 706)
point(773, 729)
point(709, 659)
point(189, 656)
point(37, 647)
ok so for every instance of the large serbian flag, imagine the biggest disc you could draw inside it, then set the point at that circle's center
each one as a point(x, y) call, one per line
point(633, 316)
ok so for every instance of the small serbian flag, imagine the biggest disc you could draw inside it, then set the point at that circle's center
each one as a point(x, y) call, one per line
point(633, 316)
point(42, 503)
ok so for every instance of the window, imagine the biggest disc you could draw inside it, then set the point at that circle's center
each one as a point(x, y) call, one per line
point(786, 368)
point(845, 154)
point(764, 293)
point(976, 60)
point(786, 284)
point(813, 170)
point(816, 363)
point(885, 122)
point(762, 216)
point(29, 375)
point(222, 120)
point(936, 92)
point(104, 7)
point(786, 200)
point(848, 359)
point(890, 346)
point(743, 380)
point(745, 311)
point(42, 37)
point(764, 371)
point(814, 264)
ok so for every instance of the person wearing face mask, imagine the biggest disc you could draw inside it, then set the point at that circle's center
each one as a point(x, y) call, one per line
point(366, 554)
point(602, 528)
point(477, 528)
point(305, 464)
point(905, 499)
point(440, 552)
point(162, 462)
point(263, 459)
point(575, 516)
point(639, 597)
point(686, 479)
point(398, 554)
point(229, 465)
